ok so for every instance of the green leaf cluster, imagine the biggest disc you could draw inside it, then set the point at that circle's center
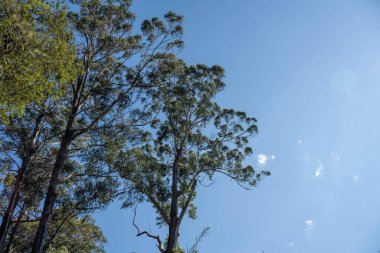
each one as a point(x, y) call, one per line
point(36, 53)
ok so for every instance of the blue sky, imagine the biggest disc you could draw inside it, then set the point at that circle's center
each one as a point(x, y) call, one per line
point(309, 71)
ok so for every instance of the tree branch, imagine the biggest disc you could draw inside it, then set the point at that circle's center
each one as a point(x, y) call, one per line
point(158, 207)
point(139, 233)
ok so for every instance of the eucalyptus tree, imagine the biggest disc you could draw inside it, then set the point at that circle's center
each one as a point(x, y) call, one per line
point(117, 67)
point(191, 141)
point(36, 52)
point(23, 143)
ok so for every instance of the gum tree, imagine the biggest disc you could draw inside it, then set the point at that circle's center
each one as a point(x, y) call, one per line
point(192, 140)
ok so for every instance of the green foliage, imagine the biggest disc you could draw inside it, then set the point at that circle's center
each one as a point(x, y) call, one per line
point(208, 139)
point(178, 250)
point(36, 53)
point(63, 249)
point(78, 234)
point(192, 211)
point(192, 140)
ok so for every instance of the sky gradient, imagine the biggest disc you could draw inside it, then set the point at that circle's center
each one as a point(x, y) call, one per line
point(309, 71)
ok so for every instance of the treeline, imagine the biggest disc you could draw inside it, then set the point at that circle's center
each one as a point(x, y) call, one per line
point(93, 110)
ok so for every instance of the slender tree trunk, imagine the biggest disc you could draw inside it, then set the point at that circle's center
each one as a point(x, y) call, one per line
point(51, 196)
point(29, 152)
point(12, 204)
point(173, 236)
point(14, 230)
point(174, 221)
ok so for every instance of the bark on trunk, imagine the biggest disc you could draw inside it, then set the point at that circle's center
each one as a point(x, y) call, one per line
point(51, 196)
point(173, 236)
point(12, 205)
point(174, 221)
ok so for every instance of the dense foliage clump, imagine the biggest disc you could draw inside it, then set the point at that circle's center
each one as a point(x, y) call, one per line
point(36, 53)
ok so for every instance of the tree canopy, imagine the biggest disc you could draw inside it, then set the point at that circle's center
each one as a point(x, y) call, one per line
point(191, 140)
point(36, 53)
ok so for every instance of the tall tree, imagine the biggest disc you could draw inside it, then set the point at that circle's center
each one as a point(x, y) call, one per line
point(192, 140)
point(117, 68)
point(36, 52)
point(22, 140)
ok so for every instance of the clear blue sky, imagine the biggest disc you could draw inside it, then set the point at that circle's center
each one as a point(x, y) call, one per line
point(310, 72)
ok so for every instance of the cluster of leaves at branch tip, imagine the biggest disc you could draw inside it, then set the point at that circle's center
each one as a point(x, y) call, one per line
point(37, 55)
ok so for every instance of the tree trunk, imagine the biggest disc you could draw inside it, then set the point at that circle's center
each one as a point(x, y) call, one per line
point(174, 221)
point(12, 203)
point(173, 236)
point(22, 212)
point(51, 196)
